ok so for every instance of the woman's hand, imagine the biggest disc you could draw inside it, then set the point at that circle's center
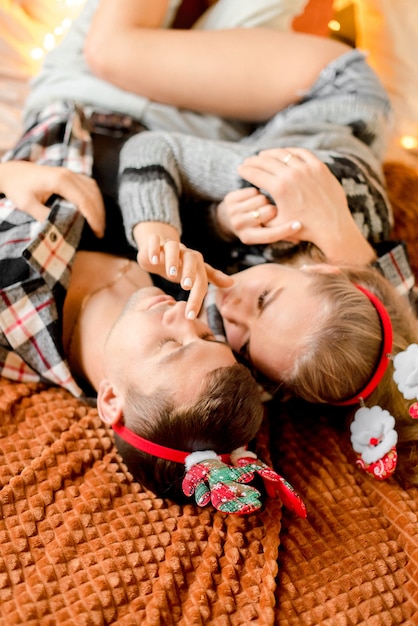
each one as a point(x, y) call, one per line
point(161, 252)
point(29, 185)
point(305, 191)
point(248, 215)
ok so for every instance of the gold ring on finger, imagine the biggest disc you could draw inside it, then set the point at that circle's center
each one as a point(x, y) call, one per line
point(256, 215)
point(287, 158)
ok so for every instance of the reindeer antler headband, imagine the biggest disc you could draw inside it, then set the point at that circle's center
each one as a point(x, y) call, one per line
point(211, 478)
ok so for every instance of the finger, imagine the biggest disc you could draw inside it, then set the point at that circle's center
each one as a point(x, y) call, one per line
point(154, 249)
point(260, 215)
point(268, 213)
point(37, 210)
point(274, 162)
point(254, 218)
point(301, 153)
point(199, 291)
point(197, 294)
point(285, 232)
point(284, 155)
point(172, 254)
point(241, 195)
point(205, 274)
point(262, 175)
point(190, 261)
point(95, 216)
point(254, 203)
point(218, 278)
point(84, 193)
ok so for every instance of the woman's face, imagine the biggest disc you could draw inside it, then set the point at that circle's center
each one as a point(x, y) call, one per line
point(266, 314)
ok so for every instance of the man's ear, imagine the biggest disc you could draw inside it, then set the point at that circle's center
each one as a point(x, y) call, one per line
point(109, 403)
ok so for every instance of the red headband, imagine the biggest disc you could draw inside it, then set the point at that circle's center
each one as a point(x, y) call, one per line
point(210, 479)
point(387, 339)
point(155, 449)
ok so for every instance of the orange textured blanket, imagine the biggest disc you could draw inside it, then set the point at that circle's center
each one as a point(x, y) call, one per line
point(81, 544)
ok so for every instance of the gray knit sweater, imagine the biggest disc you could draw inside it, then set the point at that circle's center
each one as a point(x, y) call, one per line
point(343, 119)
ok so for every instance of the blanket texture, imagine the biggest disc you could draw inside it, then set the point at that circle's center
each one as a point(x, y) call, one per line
point(82, 544)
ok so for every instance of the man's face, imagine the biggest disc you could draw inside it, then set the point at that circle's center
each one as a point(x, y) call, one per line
point(153, 345)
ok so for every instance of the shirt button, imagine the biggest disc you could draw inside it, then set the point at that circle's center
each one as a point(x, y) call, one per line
point(53, 237)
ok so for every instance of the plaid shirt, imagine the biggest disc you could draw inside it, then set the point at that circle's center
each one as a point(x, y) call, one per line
point(36, 259)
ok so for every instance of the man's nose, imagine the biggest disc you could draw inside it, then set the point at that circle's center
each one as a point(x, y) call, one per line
point(175, 313)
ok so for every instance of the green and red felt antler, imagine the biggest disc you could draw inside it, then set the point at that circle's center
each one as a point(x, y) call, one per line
point(211, 480)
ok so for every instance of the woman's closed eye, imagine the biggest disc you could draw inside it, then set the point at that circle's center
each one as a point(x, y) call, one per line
point(261, 299)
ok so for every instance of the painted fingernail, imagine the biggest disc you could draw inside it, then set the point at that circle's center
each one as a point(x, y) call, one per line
point(173, 271)
point(296, 226)
point(154, 259)
point(191, 315)
point(187, 283)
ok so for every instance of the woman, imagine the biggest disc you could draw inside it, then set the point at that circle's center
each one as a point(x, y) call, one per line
point(318, 334)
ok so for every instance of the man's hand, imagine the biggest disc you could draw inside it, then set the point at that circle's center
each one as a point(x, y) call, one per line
point(29, 185)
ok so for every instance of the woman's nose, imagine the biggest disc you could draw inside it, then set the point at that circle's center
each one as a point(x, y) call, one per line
point(233, 309)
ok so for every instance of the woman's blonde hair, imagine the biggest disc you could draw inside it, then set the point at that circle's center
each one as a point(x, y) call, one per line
point(340, 354)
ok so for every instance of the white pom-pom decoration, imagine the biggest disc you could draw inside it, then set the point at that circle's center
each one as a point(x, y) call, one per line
point(373, 433)
point(406, 371)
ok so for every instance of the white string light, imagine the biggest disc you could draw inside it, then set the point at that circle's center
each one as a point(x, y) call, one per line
point(51, 39)
point(410, 143)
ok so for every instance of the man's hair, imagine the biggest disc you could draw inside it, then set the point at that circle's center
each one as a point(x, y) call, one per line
point(227, 415)
point(341, 350)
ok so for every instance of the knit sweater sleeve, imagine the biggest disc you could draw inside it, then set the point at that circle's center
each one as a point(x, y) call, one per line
point(157, 169)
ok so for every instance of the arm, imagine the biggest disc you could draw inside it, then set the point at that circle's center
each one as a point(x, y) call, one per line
point(249, 14)
point(157, 169)
point(182, 68)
